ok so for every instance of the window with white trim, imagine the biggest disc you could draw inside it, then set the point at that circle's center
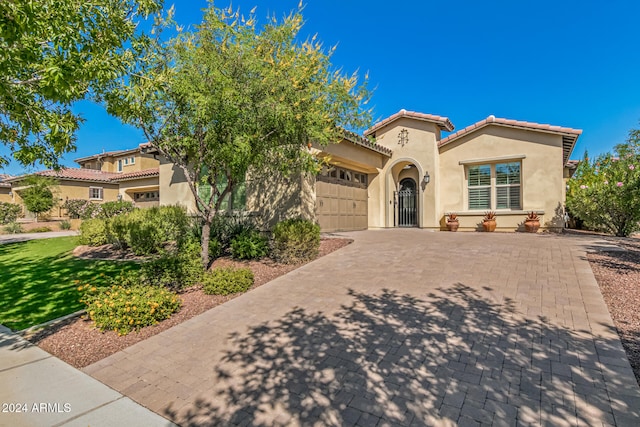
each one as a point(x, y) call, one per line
point(508, 185)
point(479, 183)
point(494, 186)
point(95, 193)
point(120, 165)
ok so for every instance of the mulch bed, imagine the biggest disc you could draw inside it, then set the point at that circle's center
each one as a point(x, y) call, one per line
point(79, 343)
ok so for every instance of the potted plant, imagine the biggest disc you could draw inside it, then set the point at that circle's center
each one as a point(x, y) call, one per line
point(532, 222)
point(489, 221)
point(452, 222)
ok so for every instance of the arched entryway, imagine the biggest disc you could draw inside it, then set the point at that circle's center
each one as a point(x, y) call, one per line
point(407, 212)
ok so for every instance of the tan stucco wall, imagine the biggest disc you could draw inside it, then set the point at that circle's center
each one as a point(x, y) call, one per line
point(72, 190)
point(420, 151)
point(542, 183)
point(274, 198)
point(352, 156)
point(127, 188)
point(4, 195)
point(110, 163)
point(174, 189)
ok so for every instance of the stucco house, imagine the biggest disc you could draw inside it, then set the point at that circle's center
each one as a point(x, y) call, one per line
point(403, 173)
point(130, 175)
point(5, 189)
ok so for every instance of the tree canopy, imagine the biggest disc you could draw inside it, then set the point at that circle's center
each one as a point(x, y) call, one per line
point(55, 52)
point(605, 192)
point(229, 98)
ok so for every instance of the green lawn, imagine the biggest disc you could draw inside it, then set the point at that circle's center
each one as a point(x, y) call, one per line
point(38, 280)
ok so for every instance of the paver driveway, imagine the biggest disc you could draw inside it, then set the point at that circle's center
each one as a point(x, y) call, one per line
point(402, 327)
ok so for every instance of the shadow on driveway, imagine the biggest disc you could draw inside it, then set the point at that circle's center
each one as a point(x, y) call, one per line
point(452, 356)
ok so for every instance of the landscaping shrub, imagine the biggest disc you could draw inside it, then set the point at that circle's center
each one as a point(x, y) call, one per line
point(249, 245)
point(225, 227)
point(9, 212)
point(142, 233)
point(295, 240)
point(172, 221)
point(176, 271)
point(83, 209)
point(118, 231)
point(226, 281)
point(40, 230)
point(146, 231)
point(93, 232)
point(112, 209)
point(65, 225)
point(13, 228)
point(124, 308)
point(215, 249)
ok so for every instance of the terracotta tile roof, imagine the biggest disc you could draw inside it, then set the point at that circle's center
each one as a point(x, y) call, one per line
point(443, 122)
point(569, 135)
point(146, 173)
point(364, 142)
point(79, 174)
point(93, 175)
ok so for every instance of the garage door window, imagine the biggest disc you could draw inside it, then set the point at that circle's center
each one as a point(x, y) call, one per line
point(344, 176)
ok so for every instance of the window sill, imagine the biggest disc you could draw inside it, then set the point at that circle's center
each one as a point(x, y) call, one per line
point(498, 212)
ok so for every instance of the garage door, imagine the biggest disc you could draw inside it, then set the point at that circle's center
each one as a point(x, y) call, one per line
point(340, 206)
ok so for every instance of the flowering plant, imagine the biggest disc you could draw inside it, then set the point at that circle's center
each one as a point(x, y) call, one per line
point(605, 192)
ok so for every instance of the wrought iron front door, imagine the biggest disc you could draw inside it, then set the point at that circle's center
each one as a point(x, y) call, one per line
point(407, 204)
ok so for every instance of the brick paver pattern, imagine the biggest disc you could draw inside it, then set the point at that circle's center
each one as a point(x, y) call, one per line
point(402, 327)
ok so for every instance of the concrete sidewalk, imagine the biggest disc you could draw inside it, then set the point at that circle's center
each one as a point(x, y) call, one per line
point(23, 237)
point(37, 389)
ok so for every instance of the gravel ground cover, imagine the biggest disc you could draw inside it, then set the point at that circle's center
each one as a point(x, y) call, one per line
point(618, 274)
point(80, 344)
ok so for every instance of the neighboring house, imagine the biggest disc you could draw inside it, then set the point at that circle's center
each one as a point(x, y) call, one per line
point(5, 189)
point(404, 174)
point(117, 175)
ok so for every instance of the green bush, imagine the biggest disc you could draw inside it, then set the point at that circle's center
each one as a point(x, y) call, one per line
point(40, 230)
point(65, 225)
point(93, 232)
point(295, 240)
point(173, 223)
point(176, 271)
point(112, 209)
point(225, 281)
point(124, 308)
point(226, 227)
point(9, 212)
point(13, 228)
point(215, 249)
point(83, 209)
point(142, 233)
point(147, 231)
point(249, 245)
point(118, 231)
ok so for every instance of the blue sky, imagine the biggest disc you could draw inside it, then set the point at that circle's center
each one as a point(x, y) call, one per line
point(563, 62)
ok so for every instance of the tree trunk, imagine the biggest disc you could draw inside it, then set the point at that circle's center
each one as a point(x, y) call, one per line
point(206, 227)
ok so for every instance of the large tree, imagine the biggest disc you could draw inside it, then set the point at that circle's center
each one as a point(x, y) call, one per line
point(229, 98)
point(605, 192)
point(52, 53)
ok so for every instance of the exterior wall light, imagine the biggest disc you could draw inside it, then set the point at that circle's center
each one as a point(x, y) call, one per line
point(426, 178)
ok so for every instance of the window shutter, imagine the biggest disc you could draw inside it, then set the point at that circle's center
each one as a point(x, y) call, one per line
point(479, 198)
